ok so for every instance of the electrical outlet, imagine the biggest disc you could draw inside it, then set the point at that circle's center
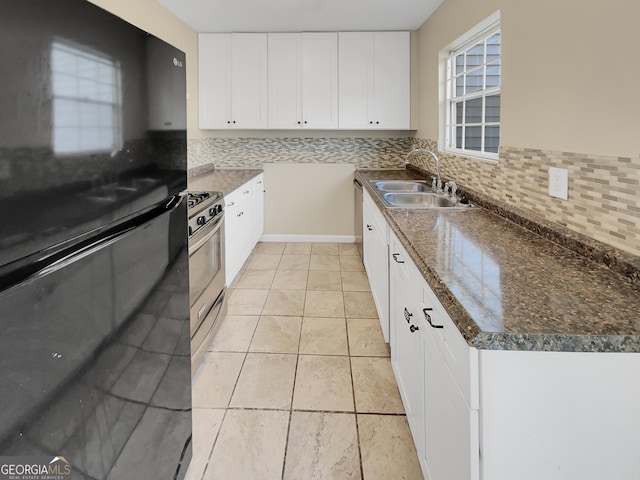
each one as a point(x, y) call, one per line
point(559, 183)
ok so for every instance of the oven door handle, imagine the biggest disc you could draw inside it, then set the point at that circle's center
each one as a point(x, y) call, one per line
point(207, 236)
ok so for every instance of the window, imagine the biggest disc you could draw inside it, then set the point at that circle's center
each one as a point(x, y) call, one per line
point(473, 97)
point(86, 100)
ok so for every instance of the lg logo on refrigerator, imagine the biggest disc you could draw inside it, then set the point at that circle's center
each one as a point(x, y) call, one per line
point(177, 62)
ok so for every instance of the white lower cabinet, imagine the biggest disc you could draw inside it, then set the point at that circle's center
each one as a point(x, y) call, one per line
point(451, 427)
point(507, 414)
point(407, 353)
point(375, 245)
point(443, 417)
point(244, 223)
point(257, 209)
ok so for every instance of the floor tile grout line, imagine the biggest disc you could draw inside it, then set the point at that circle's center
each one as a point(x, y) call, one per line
point(215, 440)
point(293, 391)
point(307, 410)
point(355, 406)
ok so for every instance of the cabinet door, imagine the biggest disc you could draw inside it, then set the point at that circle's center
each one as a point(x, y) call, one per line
point(285, 80)
point(355, 80)
point(451, 428)
point(214, 73)
point(380, 290)
point(392, 71)
point(249, 76)
point(320, 80)
point(407, 359)
point(257, 209)
point(368, 241)
point(232, 248)
point(246, 219)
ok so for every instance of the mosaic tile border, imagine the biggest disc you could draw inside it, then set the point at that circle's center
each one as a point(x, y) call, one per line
point(375, 153)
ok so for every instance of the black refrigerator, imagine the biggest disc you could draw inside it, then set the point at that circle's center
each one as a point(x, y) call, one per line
point(95, 370)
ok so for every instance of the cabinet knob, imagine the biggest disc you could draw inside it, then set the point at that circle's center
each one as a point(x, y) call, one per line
point(413, 328)
point(371, 122)
point(231, 204)
point(377, 123)
point(427, 317)
point(228, 121)
point(395, 257)
point(369, 227)
point(407, 315)
point(234, 121)
point(300, 123)
point(305, 122)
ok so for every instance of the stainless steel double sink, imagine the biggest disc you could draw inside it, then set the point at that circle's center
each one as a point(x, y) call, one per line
point(413, 194)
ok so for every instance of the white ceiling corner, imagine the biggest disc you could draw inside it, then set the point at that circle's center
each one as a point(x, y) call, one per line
point(301, 15)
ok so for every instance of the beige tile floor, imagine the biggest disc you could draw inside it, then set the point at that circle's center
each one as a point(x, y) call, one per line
point(298, 383)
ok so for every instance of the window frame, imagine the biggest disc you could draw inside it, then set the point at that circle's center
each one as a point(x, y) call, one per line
point(450, 119)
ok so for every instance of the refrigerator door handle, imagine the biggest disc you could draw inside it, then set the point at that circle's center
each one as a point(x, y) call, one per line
point(78, 252)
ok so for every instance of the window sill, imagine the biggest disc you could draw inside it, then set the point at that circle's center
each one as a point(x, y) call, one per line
point(485, 157)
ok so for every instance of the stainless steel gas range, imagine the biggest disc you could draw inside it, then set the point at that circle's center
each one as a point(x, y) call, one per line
point(207, 290)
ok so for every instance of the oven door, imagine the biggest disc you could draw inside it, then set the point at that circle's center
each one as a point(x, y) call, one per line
point(206, 274)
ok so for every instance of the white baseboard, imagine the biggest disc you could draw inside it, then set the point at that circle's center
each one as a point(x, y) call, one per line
point(308, 238)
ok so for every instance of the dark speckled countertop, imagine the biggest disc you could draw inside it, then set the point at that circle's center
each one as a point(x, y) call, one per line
point(220, 180)
point(508, 288)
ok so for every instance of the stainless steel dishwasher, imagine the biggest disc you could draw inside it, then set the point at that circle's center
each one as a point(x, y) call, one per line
point(357, 220)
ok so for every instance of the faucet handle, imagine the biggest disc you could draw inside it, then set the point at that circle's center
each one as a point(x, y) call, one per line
point(446, 187)
point(454, 188)
point(434, 184)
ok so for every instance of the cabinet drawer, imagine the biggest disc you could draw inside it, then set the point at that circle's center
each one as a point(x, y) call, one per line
point(375, 219)
point(461, 359)
point(244, 191)
point(400, 260)
point(231, 199)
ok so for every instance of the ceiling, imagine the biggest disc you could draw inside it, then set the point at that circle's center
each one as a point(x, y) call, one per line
point(301, 15)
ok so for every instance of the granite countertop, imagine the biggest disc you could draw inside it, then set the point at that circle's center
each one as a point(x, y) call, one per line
point(508, 288)
point(221, 180)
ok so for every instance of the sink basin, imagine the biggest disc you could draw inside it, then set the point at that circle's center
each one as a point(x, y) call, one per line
point(400, 186)
point(418, 200)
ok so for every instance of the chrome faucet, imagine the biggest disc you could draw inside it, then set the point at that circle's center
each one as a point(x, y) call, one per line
point(438, 185)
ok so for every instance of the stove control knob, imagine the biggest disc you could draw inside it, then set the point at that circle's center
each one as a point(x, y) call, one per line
point(190, 230)
point(218, 208)
point(201, 220)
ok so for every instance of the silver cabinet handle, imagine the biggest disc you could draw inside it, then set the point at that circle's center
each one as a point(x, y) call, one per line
point(407, 315)
point(413, 328)
point(427, 317)
point(369, 227)
point(395, 257)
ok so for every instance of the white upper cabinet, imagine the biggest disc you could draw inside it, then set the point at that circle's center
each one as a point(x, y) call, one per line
point(285, 80)
point(233, 80)
point(320, 80)
point(303, 80)
point(323, 81)
point(374, 80)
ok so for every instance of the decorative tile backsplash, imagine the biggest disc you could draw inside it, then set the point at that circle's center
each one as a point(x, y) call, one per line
point(253, 152)
point(604, 191)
